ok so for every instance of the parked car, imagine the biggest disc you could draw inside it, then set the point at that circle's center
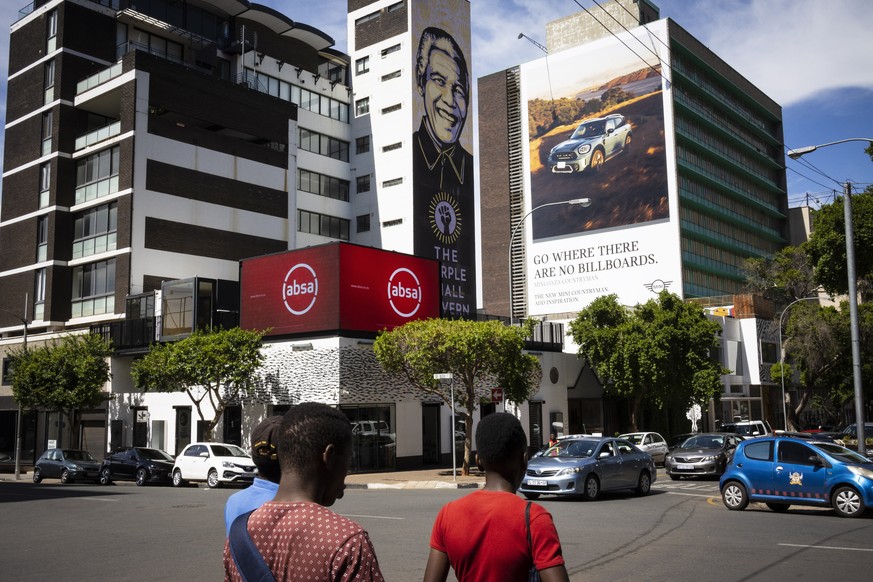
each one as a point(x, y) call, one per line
point(851, 431)
point(215, 463)
point(139, 464)
point(785, 471)
point(68, 465)
point(747, 428)
point(594, 142)
point(588, 465)
point(704, 454)
point(649, 442)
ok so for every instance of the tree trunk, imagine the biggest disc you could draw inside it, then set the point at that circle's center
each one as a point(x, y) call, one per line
point(636, 403)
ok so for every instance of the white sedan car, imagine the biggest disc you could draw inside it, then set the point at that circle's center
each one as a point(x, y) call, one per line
point(650, 442)
point(215, 463)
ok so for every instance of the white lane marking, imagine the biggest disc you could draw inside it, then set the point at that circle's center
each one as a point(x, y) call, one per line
point(687, 494)
point(98, 499)
point(828, 547)
point(372, 516)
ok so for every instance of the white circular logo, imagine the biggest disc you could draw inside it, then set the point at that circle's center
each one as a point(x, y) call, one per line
point(404, 292)
point(300, 289)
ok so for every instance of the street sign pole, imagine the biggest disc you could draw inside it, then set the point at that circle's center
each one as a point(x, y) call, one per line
point(446, 376)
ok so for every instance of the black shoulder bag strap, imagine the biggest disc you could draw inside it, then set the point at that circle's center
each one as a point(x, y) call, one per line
point(533, 575)
point(249, 562)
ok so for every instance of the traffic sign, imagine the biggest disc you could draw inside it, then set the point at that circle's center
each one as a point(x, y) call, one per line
point(442, 376)
point(497, 395)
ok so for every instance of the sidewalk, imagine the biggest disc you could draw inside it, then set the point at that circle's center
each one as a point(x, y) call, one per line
point(441, 478)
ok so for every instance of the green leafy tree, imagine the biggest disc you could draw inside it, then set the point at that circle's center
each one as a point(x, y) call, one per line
point(827, 244)
point(480, 354)
point(67, 375)
point(789, 275)
point(657, 352)
point(214, 366)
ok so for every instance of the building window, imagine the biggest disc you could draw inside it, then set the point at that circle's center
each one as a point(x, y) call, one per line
point(323, 225)
point(94, 231)
point(362, 106)
point(367, 18)
point(362, 65)
point(395, 222)
point(93, 288)
point(51, 33)
point(326, 186)
point(97, 175)
point(389, 50)
point(47, 122)
point(390, 76)
point(324, 145)
point(49, 82)
point(362, 183)
point(7, 372)
point(363, 223)
point(393, 146)
point(155, 45)
point(396, 6)
point(39, 294)
point(362, 144)
point(391, 108)
point(41, 239)
point(45, 184)
point(303, 98)
point(394, 182)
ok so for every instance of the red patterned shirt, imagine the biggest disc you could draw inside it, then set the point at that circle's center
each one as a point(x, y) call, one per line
point(307, 542)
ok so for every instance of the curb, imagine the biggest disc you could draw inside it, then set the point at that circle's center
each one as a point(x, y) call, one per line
point(414, 485)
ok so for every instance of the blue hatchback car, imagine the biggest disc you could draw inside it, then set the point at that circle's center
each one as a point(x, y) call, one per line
point(784, 471)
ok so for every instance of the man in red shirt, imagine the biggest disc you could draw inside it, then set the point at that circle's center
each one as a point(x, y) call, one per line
point(483, 536)
point(296, 534)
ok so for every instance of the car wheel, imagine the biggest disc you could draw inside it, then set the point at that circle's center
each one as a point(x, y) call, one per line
point(212, 479)
point(627, 142)
point(675, 477)
point(644, 483)
point(142, 476)
point(65, 477)
point(592, 488)
point(847, 502)
point(37, 475)
point(532, 496)
point(734, 496)
point(596, 161)
point(105, 477)
point(778, 507)
point(177, 478)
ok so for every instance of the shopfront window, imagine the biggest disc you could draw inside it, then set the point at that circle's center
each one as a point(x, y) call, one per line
point(373, 436)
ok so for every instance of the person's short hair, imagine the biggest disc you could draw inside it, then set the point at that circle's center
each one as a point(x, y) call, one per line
point(499, 437)
point(265, 440)
point(307, 429)
point(438, 38)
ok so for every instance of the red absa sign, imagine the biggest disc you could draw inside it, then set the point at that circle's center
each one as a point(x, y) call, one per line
point(336, 287)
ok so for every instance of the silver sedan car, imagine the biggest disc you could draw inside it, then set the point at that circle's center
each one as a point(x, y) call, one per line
point(650, 442)
point(588, 465)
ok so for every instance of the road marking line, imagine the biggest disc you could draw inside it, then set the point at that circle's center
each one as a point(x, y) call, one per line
point(828, 547)
point(686, 494)
point(98, 499)
point(372, 516)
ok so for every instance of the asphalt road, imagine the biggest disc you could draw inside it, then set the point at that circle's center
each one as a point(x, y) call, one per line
point(679, 532)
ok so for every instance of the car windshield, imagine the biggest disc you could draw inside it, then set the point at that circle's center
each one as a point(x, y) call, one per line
point(636, 438)
point(155, 455)
point(589, 129)
point(704, 442)
point(228, 451)
point(78, 455)
point(743, 429)
point(572, 448)
point(842, 453)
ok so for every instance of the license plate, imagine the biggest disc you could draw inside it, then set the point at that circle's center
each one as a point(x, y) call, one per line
point(685, 467)
point(562, 164)
point(248, 475)
point(537, 482)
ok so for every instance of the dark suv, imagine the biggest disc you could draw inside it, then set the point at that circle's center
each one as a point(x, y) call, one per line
point(138, 464)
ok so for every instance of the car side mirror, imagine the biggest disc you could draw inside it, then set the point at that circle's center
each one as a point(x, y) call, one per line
point(204, 454)
point(816, 460)
point(604, 455)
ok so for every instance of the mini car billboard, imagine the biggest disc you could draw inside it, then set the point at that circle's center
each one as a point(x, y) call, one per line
point(599, 126)
point(337, 287)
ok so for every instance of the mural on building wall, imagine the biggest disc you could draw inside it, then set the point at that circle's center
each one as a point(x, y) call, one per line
point(442, 171)
point(597, 129)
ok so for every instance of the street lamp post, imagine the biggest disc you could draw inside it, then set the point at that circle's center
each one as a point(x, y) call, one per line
point(23, 321)
point(853, 291)
point(583, 202)
point(782, 357)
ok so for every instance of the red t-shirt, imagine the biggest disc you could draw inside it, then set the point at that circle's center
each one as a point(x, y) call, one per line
point(307, 542)
point(483, 534)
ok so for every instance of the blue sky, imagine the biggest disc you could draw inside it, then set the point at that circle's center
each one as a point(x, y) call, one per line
point(811, 56)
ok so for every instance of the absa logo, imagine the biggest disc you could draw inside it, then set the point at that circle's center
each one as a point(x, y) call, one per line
point(404, 292)
point(300, 289)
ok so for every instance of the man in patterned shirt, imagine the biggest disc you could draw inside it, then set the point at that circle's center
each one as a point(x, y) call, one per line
point(298, 537)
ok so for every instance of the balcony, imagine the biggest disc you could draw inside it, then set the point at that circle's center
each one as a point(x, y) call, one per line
point(98, 135)
point(128, 335)
point(99, 78)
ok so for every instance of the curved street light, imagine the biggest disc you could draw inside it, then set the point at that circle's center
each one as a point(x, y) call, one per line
point(583, 202)
point(853, 290)
point(782, 357)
